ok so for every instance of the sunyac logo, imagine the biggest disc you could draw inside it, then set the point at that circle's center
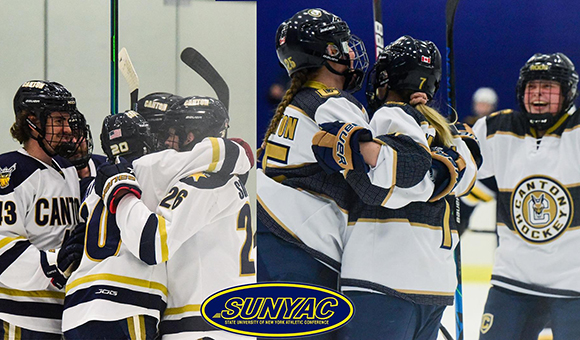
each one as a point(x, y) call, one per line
point(541, 209)
point(5, 174)
point(277, 310)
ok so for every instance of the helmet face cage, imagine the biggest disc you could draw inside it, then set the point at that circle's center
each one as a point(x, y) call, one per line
point(549, 67)
point(314, 36)
point(203, 116)
point(126, 135)
point(84, 148)
point(54, 108)
point(407, 64)
point(153, 108)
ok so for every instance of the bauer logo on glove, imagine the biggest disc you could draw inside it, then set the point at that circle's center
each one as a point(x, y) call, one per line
point(337, 148)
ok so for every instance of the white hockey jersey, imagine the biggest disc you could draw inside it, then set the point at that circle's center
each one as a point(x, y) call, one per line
point(538, 194)
point(201, 228)
point(407, 251)
point(39, 202)
point(114, 280)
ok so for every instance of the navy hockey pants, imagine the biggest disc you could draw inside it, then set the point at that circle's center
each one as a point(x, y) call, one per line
point(379, 316)
point(125, 329)
point(512, 315)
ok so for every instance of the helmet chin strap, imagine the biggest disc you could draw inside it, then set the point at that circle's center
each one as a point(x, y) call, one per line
point(348, 75)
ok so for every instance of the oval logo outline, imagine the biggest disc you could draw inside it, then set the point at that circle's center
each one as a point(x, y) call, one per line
point(341, 297)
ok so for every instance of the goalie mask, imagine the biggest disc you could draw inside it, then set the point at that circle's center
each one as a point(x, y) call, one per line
point(126, 135)
point(405, 65)
point(153, 108)
point(547, 67)
point(202, 116)
point(54, 108)
point(312, 37)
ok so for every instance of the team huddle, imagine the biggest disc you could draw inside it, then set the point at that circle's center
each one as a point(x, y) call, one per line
point(360, 199)
point(363, 199)
point(129, 245)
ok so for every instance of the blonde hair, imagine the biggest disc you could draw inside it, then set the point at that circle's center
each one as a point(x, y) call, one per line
point(299, 78)
point(443, 137)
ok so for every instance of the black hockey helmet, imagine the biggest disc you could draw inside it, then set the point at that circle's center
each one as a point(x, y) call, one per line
point(41, 98)
point(314, 36)
point(127, 135)
point(556, 67)
point(154, 106)
point(84, 151)
point(203, 116)
point(405, 64)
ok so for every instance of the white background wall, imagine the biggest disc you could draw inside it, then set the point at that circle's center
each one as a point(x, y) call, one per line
point(154, 33)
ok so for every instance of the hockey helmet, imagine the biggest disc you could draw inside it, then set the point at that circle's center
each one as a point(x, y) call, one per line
point(314, 36)
point(203, 116)
point(556, 67)
point(127, 135)
point(84, 151)
point(405, 64)
point(41, 98)
point(154, 106)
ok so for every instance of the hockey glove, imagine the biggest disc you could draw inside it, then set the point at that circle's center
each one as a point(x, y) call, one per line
point(59, 264)
point(468, 137)
point(337, 147)
point(246, 147)
point(447, 169)
point(114, 181)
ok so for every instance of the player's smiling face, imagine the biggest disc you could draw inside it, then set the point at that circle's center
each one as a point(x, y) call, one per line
point(543, 96)
point(57, 130)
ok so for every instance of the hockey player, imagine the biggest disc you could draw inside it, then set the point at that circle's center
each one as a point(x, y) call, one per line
point(299, 222)
point(201, 227)
point(180, 131)
point(531, 155)
point(112, 294)
point(83, 159)
point(153, 108)
point(397, 263)
point(40, 200)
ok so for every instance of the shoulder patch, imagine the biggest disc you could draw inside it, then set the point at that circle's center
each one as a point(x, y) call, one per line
point(15, 168)
point(329, 92)
point(204, 180)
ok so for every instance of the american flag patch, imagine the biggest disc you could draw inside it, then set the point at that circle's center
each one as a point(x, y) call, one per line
point(115, 134)
point(425, 59)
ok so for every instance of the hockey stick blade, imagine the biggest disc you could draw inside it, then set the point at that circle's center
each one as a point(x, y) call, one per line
point(197, 62)
point(128, 71)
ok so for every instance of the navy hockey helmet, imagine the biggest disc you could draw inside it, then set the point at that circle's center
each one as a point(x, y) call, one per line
point(127, 135)
point(203, 116)
point(556, 67)
point(312, 37)
point(41, 98)
point(84, 151)
point(405, 64)
point(154, 106)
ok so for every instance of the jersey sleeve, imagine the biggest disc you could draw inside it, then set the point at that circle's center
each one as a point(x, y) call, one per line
point(20, 265)
point(401, 173)
point(155, 236)
point(487, 166)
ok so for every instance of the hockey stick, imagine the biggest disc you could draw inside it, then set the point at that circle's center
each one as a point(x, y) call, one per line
point(378, 23)
point(197, 62)
point(450, 9)
point(114, 48)
point(128, 71)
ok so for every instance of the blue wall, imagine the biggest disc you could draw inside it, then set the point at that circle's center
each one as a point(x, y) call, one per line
point(493, 39)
